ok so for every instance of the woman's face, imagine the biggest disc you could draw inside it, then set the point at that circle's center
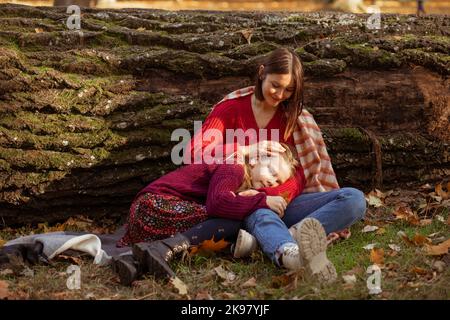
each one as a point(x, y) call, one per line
point(277, 88)
point(269, 171)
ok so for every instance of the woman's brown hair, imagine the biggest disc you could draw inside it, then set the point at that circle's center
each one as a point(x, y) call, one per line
point(284, 61)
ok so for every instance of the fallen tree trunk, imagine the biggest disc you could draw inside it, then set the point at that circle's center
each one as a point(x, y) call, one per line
point(86, 117)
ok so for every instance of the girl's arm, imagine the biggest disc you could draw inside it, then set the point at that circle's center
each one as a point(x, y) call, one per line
point(221, 200)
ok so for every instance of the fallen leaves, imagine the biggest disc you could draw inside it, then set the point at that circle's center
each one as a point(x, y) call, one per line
point(444, 195)
point(179, 285)
point(404, 212)
point(377, 256)
point(247, 33)
point(209, 246)
point(439, 249)
point(369, 228)
point(2, 242)
point(228, 276)
point(249, 283)
point(416, 240)
point(4, 292)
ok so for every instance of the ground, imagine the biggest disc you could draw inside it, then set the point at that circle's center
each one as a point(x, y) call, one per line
point(400, 234)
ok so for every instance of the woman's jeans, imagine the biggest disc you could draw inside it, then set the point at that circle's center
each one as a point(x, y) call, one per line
point(336, 210)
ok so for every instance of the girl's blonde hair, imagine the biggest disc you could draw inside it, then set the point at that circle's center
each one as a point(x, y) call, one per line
point(288, 156)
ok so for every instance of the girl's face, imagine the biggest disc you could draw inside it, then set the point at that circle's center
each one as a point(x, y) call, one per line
point(269, 171)
point(277, 88)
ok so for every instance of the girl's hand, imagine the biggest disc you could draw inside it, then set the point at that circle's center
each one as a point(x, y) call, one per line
point(277, 204)
point(248, 193)
point(265, 147)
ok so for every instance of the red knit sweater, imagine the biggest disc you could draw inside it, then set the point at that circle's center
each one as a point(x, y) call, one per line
point(238, 114)
point(213, 185)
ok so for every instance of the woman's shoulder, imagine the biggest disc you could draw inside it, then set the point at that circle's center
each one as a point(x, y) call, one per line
point(230, 105)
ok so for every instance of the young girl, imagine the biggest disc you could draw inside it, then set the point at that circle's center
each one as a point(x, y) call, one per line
point(189, 195)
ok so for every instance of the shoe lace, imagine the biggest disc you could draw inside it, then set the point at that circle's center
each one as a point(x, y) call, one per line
point(291, 251)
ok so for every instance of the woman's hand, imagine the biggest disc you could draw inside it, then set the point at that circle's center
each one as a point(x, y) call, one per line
point(265, 147)
point(248, 193)
point(277, 204)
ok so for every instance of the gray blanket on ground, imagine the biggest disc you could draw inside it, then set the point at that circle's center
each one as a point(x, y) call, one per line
point(101, 246)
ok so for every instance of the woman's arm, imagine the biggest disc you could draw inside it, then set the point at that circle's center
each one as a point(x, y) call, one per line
point(222, 201)
point(211, 136)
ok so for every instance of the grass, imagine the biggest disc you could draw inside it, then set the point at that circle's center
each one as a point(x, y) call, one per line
point(407, 274)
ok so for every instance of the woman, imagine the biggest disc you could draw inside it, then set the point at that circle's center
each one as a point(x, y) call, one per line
point(274, 104)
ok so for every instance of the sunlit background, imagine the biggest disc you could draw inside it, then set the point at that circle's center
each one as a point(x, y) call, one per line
point(355, 6)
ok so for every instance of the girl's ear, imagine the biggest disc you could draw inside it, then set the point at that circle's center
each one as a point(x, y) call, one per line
point(252, 162)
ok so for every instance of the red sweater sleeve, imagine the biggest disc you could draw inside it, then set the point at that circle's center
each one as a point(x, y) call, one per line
point(212, 135)
point(291, 188)
point(221, 200)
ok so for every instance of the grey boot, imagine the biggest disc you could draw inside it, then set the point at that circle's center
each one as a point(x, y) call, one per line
point(154, 257)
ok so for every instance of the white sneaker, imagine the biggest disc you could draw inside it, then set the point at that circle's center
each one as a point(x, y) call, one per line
point(312, 241)
point(245, 245)
point(290, 258)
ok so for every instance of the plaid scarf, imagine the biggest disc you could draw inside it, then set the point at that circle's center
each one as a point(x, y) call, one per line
point(311, 149)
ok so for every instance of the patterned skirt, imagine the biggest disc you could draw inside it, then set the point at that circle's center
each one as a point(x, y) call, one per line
point(154, 217)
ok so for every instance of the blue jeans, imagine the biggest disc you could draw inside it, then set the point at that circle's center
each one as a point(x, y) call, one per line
point(336, 210)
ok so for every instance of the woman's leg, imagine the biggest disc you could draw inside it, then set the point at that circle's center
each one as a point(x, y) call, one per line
point(335, 210)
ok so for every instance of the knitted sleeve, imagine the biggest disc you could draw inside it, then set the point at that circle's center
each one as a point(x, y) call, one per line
point(209, 140)
point(222, 201)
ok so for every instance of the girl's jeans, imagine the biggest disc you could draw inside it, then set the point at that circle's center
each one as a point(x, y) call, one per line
point(335, 210)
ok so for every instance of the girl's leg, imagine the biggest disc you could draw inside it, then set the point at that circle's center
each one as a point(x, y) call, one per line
point(270, 232)
point(335, 210)
point(216, 228)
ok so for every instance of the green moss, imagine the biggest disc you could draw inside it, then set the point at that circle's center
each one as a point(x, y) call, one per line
point(353, 134)
point(51, 123)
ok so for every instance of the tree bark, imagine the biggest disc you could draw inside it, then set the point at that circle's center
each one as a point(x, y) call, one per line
point(86, 116)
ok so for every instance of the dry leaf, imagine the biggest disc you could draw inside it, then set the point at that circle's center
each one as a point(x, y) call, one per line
point(203, 295)
point(285, 196)
point(209, 246)
point(394, 247)
point(425, 222)
point(419, 271)
point(370, 246)
point(249, 283)
point(247, 33)
point(72, 259)
point(226, 275)
point(403, 212)
point(369, 228)
point(420, 240)
point(179, 285)
point(441, 193)
point(227, 295)
point(38, 30)
point(374, 201)
point(2, 242)
point(349, 279)
point(377, 256)
point(4, 292)
point(140, 29)
point(439, 249)
point(448, 220)
point(281, 281)
point(381, 231)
